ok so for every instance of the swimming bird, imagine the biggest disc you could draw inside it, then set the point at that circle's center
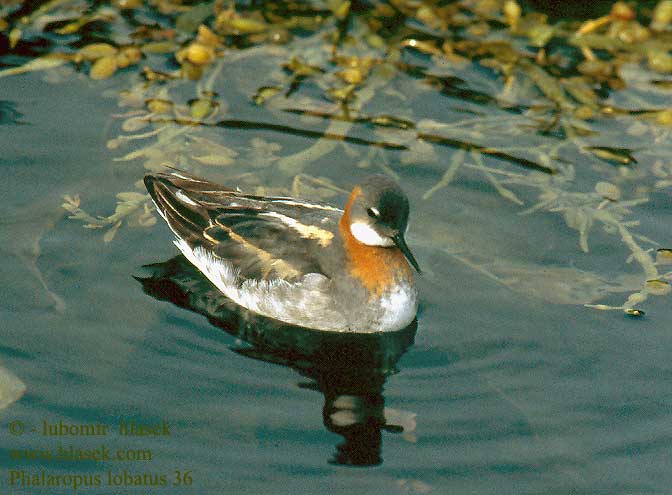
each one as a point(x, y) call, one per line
point(301, 262)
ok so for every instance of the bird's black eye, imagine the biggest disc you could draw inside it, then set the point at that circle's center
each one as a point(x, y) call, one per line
point(373, 212)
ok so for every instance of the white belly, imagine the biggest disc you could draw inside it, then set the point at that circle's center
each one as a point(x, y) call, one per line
point(307, 303)
point(399, 308)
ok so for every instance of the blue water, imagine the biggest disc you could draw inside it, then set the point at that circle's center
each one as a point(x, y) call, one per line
point(501, 389)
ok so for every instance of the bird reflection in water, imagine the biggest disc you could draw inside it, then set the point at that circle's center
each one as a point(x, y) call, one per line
point(349, 369)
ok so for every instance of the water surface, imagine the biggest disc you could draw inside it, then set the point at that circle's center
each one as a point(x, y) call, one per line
point(509, 383)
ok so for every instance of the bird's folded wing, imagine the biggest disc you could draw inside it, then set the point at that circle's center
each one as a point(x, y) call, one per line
point(266, 238)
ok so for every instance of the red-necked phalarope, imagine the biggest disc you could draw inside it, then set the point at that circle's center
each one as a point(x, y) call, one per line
point(301, 262)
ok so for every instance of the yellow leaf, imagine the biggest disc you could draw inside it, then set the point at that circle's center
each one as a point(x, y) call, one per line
point(207, 37)
point(248, 26)
point(159, 47)
point(14, 37)
point(512, 12)
point(199, 54)
point(662, 15)
point(664, 257)
point(128, 56)
point(658, 287)
point(103, 68)
point(618, 155)
point(664, 117)
point(95, 51)
point(42, 63)
point(264, 93)
point(352, 76)
point(342, 10)
point(159, 106)
point(201, 108)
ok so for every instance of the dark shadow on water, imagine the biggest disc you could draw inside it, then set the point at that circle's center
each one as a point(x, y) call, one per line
point(9, 115)
point(348, 369)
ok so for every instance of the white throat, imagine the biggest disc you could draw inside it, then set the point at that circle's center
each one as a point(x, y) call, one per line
point(365, 234)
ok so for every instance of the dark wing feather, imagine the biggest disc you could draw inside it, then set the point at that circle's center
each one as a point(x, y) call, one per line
point(265, 236)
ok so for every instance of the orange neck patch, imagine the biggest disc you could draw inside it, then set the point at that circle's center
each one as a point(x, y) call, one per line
point(375, 267)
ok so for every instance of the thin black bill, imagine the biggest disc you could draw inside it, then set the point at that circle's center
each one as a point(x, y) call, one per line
point(401, 244)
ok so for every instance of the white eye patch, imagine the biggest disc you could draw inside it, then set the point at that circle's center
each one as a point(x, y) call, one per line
point(365, 234)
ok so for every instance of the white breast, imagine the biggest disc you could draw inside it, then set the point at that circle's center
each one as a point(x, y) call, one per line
point(399, 308)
